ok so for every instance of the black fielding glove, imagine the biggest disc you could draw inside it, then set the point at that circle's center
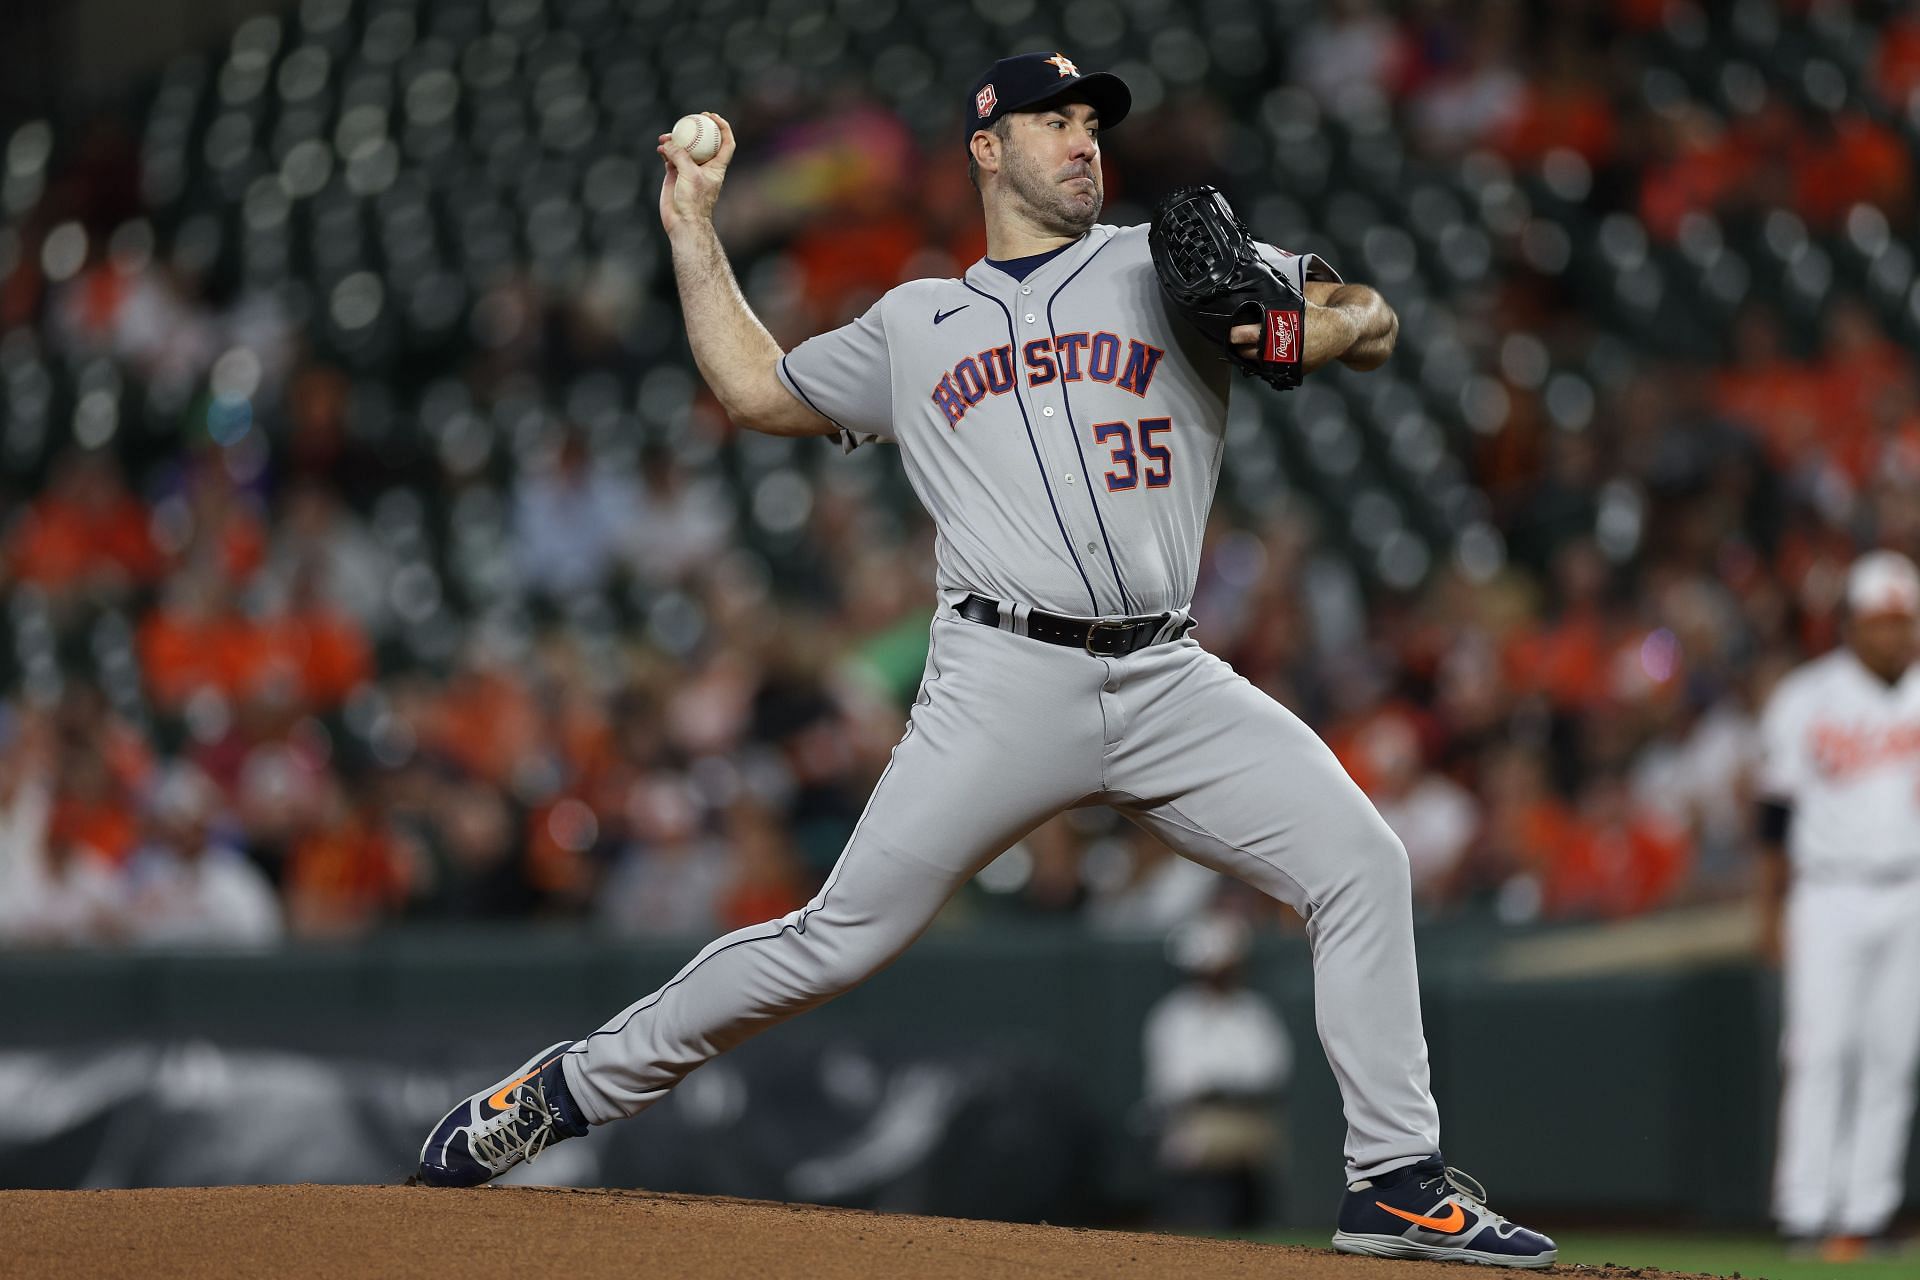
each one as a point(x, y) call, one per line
point(1213, 274)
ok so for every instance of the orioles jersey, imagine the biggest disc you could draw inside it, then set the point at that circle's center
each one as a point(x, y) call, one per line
point(1842, 747)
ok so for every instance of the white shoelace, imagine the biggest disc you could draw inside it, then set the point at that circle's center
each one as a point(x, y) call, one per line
point(1468, 1188)
point(504, 1143)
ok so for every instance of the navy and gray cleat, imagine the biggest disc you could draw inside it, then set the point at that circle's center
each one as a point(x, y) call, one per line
point(1430, 1211)
point(499, 1127)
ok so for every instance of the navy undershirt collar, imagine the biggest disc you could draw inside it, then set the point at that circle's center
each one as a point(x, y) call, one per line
point(1021, 268)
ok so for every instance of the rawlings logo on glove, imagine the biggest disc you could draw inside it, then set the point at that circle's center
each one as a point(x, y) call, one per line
point(1212, 272)
point(1283, 337)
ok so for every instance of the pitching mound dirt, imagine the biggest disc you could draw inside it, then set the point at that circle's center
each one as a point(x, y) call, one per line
point(293, 1233)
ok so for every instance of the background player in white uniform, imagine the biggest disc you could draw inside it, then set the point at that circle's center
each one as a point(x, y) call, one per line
point(1217, 1059)
point(1840, 788)
point(1064, 430)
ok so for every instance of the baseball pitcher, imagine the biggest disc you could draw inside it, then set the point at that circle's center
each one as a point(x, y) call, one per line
point(1060, 410)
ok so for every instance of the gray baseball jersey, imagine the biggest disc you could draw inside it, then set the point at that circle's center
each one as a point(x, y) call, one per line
point(1064, 431)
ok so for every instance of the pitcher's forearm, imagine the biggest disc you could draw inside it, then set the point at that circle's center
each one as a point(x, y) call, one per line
point(1349, 323)
point(734, 351)
point(1330, 335)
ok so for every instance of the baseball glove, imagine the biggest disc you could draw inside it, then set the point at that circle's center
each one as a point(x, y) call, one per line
point(1214, 275)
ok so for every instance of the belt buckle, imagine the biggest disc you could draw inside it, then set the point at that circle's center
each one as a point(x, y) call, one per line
point(1094, 628)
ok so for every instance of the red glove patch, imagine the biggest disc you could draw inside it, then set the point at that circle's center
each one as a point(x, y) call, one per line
point(1283, 337)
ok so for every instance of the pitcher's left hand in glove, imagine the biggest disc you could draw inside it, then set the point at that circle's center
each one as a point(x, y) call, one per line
point(1213, 273)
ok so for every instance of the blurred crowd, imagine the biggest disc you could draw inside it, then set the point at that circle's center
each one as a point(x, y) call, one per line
point(295, 651)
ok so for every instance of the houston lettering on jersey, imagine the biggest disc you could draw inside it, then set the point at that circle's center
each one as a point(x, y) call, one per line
point(1070, 357)
point(1839, 750)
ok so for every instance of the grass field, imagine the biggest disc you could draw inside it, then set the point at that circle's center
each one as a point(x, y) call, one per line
point(1755, 1257)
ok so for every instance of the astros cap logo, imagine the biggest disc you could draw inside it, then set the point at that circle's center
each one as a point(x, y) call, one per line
point(1065, 64)
point(983, 101)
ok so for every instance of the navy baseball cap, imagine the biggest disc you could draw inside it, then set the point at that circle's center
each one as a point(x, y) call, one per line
point(1027, 80)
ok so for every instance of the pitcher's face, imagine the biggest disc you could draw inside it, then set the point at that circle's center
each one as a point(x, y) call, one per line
point(1051, 166)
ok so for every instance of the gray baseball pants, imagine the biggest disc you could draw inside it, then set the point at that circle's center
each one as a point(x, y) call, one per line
point(1009, 731)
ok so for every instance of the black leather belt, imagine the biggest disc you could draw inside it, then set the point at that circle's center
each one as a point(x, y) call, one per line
point(1101, 637)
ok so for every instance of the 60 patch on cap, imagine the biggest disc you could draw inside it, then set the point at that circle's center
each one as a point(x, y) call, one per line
point(1029, 80)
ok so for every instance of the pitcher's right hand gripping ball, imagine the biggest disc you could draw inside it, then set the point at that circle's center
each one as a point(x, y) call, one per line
point(692, 187)
point(1214, 275)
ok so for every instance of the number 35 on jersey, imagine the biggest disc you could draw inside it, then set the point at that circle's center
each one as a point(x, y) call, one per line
point(1120, 437)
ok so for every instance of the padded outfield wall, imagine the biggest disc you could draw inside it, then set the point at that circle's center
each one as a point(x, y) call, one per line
point(985, 1074)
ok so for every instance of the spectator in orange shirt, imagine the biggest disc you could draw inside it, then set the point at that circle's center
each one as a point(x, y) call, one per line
point(198, 639)
point(767, 880)
point(1564, 106)
point(485, 720)
point(1566, 658)
point(1624, 860)
point(320, 650)
point(1859, 367)
point(1529, 832)
point(565, 850)
point(1849, 159)
point(345, 871)
point(1766, 390)
point(1695, 164)
point(1896, 63)
point(849, 257)
point(91, 808)
point(86, 532)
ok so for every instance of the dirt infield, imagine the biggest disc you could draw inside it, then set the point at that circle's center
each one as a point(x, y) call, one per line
point(307, 1231)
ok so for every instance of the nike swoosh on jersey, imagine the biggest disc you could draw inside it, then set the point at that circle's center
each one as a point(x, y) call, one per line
point(939, 315)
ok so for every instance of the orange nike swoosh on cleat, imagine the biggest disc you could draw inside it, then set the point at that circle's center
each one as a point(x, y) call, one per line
point(498, 1100)
point(1455, 1218)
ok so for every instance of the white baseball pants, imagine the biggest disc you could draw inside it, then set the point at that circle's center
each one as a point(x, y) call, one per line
point(1009, 731)
point(1849, 1048)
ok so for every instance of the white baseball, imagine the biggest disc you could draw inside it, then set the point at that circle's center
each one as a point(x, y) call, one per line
point(699, 135)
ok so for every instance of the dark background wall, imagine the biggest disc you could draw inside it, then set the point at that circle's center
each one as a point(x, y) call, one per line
point(1646, 1097)
point(69, 54)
